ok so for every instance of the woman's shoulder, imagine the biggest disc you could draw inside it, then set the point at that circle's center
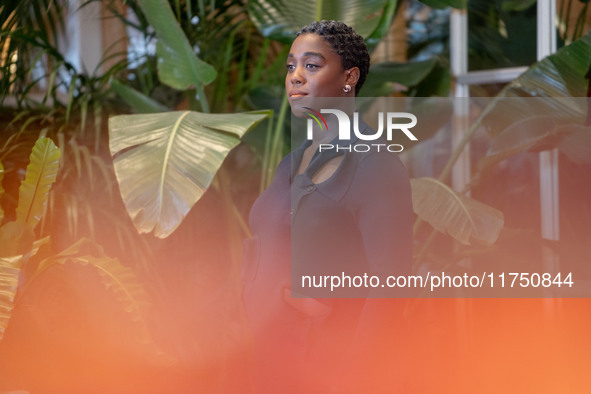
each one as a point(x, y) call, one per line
point(291, 160)
point(285, 164)
point(378, 151)
point(285, 161)
point(379, 171)
point(377, 155)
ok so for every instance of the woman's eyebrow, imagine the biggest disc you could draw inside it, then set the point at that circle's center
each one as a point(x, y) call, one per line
point(306, 54)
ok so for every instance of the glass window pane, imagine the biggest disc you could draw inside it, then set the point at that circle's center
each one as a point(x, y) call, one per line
point(501, 34)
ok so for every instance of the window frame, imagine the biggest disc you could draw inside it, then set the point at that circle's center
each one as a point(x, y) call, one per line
point(463, 79)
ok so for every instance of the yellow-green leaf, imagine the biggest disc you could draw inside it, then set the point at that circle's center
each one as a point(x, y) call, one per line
point(461, 217)
point(10, 268)
point(15, 239)
point(41, 173)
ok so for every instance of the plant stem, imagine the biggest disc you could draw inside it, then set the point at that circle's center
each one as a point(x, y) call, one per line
point(580, 24)
point(428, 243)
point(457, 152)
point(235, 233)
point(276, 143)
point(318, 15)
point(203, 99)
point(177, 8)
point(445, 174)
point(567, 19)
point(258, 70)
point(201, 9)
point(417, 226)
point(266, 157)
point(240, 83)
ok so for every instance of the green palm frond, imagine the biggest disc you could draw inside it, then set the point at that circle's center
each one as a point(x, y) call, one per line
point(41, 174)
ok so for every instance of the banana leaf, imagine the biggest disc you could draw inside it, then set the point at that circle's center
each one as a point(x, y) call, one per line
point(165, 162)
point(178, 65)
point(553, 86)
point(537, 134)
point(40, 175)
point(281, 19)
point(115, 277)
point(461, 217)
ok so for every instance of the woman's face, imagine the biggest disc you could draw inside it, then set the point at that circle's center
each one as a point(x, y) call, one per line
point(314, 70)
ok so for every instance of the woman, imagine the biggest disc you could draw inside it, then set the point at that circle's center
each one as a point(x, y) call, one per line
point(327, 212)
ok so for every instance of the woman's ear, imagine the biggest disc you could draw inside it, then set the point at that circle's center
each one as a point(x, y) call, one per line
point(352, 76)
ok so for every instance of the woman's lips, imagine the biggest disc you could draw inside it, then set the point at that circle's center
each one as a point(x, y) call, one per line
point(297, 94)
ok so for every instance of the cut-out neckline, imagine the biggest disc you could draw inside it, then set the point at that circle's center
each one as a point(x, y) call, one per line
point(318, 162)
point(332, 166)
point(320, 159)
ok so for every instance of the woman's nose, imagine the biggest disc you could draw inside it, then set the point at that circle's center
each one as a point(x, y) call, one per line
point(296, 76)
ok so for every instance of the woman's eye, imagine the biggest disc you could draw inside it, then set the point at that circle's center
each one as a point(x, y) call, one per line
point(289, 67)
point(311, 66)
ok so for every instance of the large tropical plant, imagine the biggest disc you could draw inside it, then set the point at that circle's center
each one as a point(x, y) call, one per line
point(30, 269)
point(16, 237)
point(542, 109)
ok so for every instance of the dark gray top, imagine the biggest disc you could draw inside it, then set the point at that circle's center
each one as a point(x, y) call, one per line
point(357, 221)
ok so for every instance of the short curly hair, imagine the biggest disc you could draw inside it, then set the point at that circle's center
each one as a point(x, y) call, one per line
point(349, 45)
